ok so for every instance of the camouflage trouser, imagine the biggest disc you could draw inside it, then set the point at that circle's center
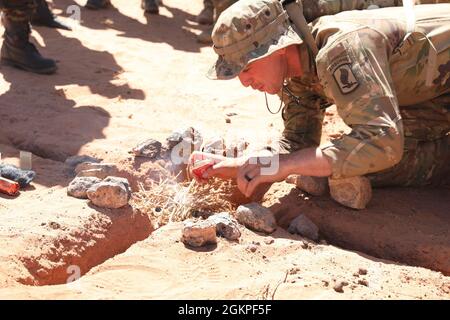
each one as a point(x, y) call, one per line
point(18, 10)
point(426, 157)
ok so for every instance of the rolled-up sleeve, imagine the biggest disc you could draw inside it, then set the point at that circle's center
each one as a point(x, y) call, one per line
point(354, 72)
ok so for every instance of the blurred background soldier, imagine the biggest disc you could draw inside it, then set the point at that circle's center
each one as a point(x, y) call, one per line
point(43, 17)
point(149, 6)
point(211, 11)
point(17, 50)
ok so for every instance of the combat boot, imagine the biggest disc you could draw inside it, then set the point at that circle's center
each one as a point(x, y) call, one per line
point(150, 6)
point(19, 52)
point(44, 17)
point(97, 4)
point(206, 16)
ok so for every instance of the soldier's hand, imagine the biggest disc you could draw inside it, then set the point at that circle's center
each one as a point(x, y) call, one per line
point(223, 167)
point(260, 173)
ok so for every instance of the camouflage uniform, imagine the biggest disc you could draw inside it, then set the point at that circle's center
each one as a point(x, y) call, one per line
point(390, 86)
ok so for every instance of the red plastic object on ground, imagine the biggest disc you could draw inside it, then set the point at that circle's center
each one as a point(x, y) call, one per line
point(9, 187)
point(200, 167)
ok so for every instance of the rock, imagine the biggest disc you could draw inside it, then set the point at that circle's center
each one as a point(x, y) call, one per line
point(80, 185)
point(339, 286)
point(354, 192)
point(315, 186)
point(256, 217)
point(226, 226)
point(216, 146)
point(252, 248)
point(269, 240)
point(190, 135)
point(111, 194)
point(363, 282)
point(303, 226)
point(236, 147)
point(99, 170)
point(362, 271)
point(76, 160)
point(150, 149)
point(118, 180)
point(180, 145)
point(198, 234)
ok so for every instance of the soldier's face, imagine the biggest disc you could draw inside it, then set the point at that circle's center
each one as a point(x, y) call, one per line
point(267, 74)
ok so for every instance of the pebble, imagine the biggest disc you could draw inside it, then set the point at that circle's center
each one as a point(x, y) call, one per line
point(80, 185)
point(362, 271)
point(198, 234)
point(252, 248)
point(256, 217)
point(363, 282)
point(150, 148)
point(339, 286)
point(226, 226)
point(303, 226)
point(110, 194)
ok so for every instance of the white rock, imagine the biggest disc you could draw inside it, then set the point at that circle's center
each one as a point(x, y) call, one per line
point(79, 186)
point(118, 180)
point(354, 192)
point(189, 135)
point(150, 149)
point(226, 226)
point(256, 217)
point(215, 145)
point(198, 234)
point(303, 226)
point(99, 170)
point(111, 195)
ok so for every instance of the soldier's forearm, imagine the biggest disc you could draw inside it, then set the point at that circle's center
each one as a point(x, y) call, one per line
point(307, 162)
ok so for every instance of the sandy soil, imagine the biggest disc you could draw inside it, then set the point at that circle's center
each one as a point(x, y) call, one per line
point(123, 78)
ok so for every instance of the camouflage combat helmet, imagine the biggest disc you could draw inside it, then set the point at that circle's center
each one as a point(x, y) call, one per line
point(247, 31)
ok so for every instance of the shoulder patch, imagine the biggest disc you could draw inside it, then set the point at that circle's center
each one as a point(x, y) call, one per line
point(345, 78)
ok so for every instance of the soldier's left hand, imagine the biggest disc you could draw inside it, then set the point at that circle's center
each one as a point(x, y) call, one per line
point(261, 170)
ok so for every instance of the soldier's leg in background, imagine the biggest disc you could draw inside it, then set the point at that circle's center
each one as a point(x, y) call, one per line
point(219, 7)
point(17, 50)
point(150, 6)
point(44, 17)
point(206, 16)
point(97, 4)
point(426, 159)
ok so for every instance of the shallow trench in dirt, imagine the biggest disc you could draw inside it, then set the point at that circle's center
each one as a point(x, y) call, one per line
point(405, 226)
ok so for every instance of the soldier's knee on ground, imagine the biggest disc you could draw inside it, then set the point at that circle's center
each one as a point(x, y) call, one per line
point(424, 163)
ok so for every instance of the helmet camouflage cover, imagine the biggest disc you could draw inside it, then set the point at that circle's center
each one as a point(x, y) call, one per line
point(247, 31)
